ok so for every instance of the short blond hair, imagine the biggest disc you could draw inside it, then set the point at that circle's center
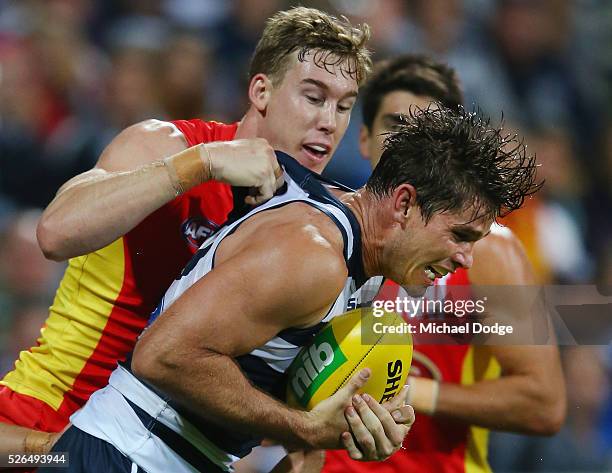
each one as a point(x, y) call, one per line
point(332, 41)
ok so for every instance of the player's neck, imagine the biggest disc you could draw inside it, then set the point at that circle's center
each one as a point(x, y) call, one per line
point(363, 207)
point(248, 127)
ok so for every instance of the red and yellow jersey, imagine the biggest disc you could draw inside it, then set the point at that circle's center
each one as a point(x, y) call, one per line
point(105, 297)
point(437, 445)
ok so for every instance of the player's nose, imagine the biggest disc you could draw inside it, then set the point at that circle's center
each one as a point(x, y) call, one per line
point(327, 119)
point(464, 257)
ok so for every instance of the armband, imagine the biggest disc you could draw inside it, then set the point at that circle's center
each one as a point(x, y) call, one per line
point(189, 168)
point(423, 394)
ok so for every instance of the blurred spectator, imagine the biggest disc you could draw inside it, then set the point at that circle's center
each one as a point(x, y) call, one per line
point(439, 26)
point(25, 273)
point(27, 321)
point(27, 283)
point(22, 119)
point(48, 70)
point(184, 78)
point(599, 206)
point(580, 445)
point(522, 66)
point(133, 87)
point(387, 18)
point(235, 41)
point(550, 226)
point(203, 14)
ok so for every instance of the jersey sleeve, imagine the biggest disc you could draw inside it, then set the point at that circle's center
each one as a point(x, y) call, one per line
point(198, 131)
point(195, 131)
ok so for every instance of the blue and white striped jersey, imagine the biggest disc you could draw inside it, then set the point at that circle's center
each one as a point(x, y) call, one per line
point(161, 435)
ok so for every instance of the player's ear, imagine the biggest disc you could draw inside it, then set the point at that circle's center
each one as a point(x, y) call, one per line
point(260, 88)
point(364, 142)
point(404, 201)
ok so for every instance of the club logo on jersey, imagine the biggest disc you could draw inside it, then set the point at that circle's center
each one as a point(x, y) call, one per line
point(197, 229)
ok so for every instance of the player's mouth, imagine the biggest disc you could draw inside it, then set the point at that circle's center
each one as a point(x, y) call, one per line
point(432, 273)
point(316, 152)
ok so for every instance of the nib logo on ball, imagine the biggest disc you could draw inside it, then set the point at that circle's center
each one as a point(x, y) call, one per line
point(314, 365)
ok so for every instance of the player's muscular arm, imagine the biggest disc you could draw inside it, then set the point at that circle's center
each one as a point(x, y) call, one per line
point(95, 208)
point(270, 282)
point(130, 181)
point(529, 397)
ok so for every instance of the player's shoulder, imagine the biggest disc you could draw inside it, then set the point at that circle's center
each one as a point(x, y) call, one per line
point(499, 258)
point(301, 223)
point(198, 131)
point(301, 236)
point(190, 132)
point(498, 243)
point(292, 249)
point(142, 143)
point(150, 128)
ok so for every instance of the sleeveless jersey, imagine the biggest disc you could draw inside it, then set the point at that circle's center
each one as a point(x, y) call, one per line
point(436, 445)
point(160, 435)
point(105, 297)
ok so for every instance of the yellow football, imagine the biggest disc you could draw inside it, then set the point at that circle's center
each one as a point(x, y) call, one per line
point(348, 343)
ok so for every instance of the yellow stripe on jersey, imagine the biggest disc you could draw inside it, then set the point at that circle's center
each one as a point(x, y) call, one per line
point(478, 365)
point(80, 311)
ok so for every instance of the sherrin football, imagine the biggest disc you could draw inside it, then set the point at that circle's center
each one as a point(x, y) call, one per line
point(340, 349)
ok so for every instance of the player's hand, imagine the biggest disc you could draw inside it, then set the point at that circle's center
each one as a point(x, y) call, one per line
point(245, 163)
point(55, 436)
point(377, 431)
point(328, 417)
point(40, 443)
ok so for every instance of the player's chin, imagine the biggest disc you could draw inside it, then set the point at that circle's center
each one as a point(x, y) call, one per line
point(415, 290)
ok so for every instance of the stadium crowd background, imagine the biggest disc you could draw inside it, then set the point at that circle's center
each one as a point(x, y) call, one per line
point(73, 73)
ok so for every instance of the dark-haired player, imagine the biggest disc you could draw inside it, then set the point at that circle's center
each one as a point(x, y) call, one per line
point(460, 391)
point(206, 377)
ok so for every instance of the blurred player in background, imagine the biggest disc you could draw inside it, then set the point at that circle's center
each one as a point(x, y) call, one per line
point(157, 192)
point(460, 391)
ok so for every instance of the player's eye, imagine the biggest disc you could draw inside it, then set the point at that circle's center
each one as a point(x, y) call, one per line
point(392, 124)
point(314, 100)
point(464, 237)
point(459, 237)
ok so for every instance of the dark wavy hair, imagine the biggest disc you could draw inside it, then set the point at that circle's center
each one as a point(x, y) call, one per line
point(417, 74)
point(456, 159)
